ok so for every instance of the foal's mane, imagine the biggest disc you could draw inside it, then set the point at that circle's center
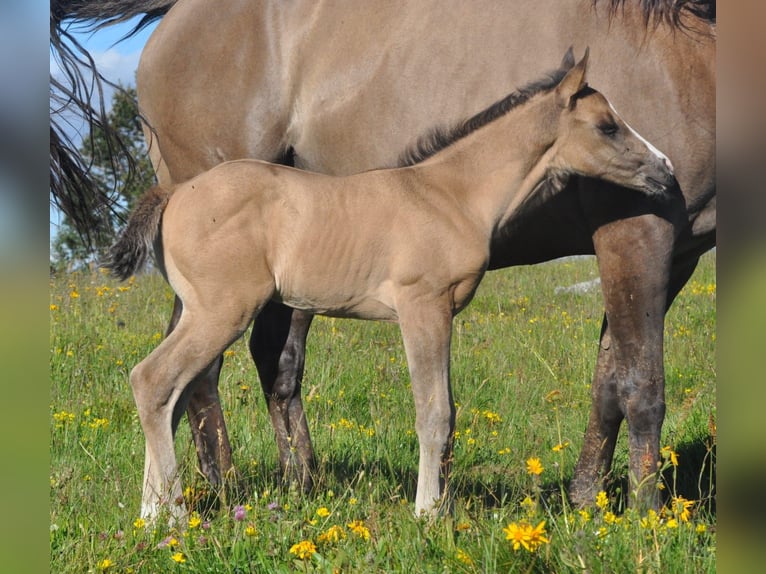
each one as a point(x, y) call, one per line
point(440, 138)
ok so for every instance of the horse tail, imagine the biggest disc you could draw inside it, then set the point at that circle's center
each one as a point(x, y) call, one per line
point(79, 90)
point(131, 250)
point(103, 13)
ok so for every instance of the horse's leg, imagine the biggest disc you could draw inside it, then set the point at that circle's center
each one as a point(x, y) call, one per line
point(634, 256)
point(158, 383)
point(203, 407)
point(426, 330)
point(278, 347)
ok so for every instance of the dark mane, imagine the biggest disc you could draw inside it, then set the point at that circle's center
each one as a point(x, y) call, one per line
point(440, 138)
point(667, 11)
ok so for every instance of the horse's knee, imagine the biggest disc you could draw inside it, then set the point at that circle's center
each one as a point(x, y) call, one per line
point(141, 386)
point(644, 404)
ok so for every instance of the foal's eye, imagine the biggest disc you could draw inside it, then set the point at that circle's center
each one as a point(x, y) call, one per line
point(608, 129)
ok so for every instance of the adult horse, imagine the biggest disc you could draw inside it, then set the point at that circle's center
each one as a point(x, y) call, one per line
point(309, 82)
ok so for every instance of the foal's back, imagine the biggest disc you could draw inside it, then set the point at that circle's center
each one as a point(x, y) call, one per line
point(340, 246)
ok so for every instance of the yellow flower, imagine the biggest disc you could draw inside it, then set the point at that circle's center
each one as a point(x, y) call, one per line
point(194, 521)
point(250, 530)
point(491, 417)
point(139, 523)
point(178, 557)
point(584, 516)
point(333, 534)
point(529, 505)
point(54, 307)
point(358, 528)
point(463, 557)
point(526, 536)
point(303, 549)
point(322, 512)
point(352, 501)
point(672, 523)
point(74, 294)
point(105, 564)
point(700, 529)
point(651, 520)
point(681, 506)
point(561, 446)
point(668, 452)
point(534, 466)
point(610, 517)
point(602, 501)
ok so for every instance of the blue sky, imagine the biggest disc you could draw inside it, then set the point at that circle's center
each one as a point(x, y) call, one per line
point(116, 60)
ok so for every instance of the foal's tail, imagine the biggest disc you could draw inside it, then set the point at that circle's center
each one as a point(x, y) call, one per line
point(130, 252)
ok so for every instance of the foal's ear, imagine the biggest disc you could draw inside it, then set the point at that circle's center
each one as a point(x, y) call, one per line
point(574, 81)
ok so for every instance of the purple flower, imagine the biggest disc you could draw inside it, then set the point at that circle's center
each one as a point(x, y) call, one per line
point(273, 505)
point(206, 525)
point(239, 513)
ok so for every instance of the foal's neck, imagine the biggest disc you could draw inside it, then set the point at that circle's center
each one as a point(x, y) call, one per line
point(495, 169)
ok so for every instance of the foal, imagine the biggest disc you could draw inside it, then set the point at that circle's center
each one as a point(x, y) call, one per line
point(407, 245)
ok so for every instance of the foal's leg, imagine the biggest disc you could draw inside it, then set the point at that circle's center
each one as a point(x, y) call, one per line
point(206, 420)
point(634, 256)
point(158, 383)
point(426, 330)
point(278, 347)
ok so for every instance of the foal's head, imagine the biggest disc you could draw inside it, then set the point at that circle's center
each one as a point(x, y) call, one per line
point(594, 141)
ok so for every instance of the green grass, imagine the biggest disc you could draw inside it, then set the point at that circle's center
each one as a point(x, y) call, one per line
point(522, 362)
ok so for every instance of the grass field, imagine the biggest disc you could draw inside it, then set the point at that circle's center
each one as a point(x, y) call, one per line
point(523, 356)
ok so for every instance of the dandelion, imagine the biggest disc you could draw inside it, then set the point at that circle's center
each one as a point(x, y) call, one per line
point(322, 512)
point(526, 536)
point(358, 528)
point(105, 565)
point(303, 549)
point(534, 466)
point(178, 558)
